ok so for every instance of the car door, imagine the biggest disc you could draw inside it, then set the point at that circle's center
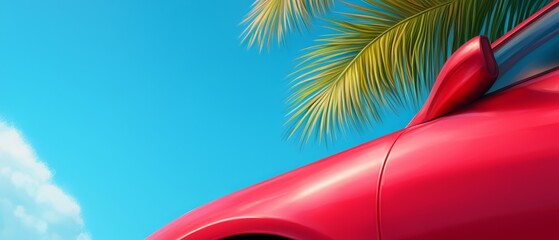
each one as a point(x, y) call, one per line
point(490, 170)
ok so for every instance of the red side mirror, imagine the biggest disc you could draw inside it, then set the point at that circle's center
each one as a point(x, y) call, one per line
point(465, 77)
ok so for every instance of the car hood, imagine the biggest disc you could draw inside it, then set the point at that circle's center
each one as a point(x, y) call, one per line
point(332, 197)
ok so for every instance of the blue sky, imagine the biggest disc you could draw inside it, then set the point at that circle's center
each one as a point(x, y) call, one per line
point(144, 110)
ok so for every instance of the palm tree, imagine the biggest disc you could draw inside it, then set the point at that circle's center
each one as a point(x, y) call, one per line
point(383, 54)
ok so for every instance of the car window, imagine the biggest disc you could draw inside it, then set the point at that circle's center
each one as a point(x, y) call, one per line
point(532, 51)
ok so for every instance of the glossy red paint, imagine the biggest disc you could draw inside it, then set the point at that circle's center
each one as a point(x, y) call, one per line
point(331, 199)
point(466, 76)
point(487, 170)
point(490, 171)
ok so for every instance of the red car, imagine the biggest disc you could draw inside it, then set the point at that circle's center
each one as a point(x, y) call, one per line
point(479, 161)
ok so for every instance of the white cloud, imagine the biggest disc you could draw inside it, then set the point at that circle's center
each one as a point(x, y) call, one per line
point(31, 205)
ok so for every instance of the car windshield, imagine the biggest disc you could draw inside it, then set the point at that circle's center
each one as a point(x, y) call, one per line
point(532, 51)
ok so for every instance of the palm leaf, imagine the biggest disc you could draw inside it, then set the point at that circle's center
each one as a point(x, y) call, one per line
point(386, 54)
point(274, 19)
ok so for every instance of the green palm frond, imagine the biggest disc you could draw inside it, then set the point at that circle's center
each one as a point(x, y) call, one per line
point(274, 19)
point(385, 54)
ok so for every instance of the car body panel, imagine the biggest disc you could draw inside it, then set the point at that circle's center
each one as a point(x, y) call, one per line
point(490, 171)
point(334, 198)
point(487, 171)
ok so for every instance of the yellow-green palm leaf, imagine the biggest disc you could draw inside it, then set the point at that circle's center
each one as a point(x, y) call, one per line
point(385, 54)
point(271, 20)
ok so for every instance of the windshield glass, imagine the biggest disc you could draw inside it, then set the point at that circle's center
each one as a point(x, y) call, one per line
point(531, 51)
